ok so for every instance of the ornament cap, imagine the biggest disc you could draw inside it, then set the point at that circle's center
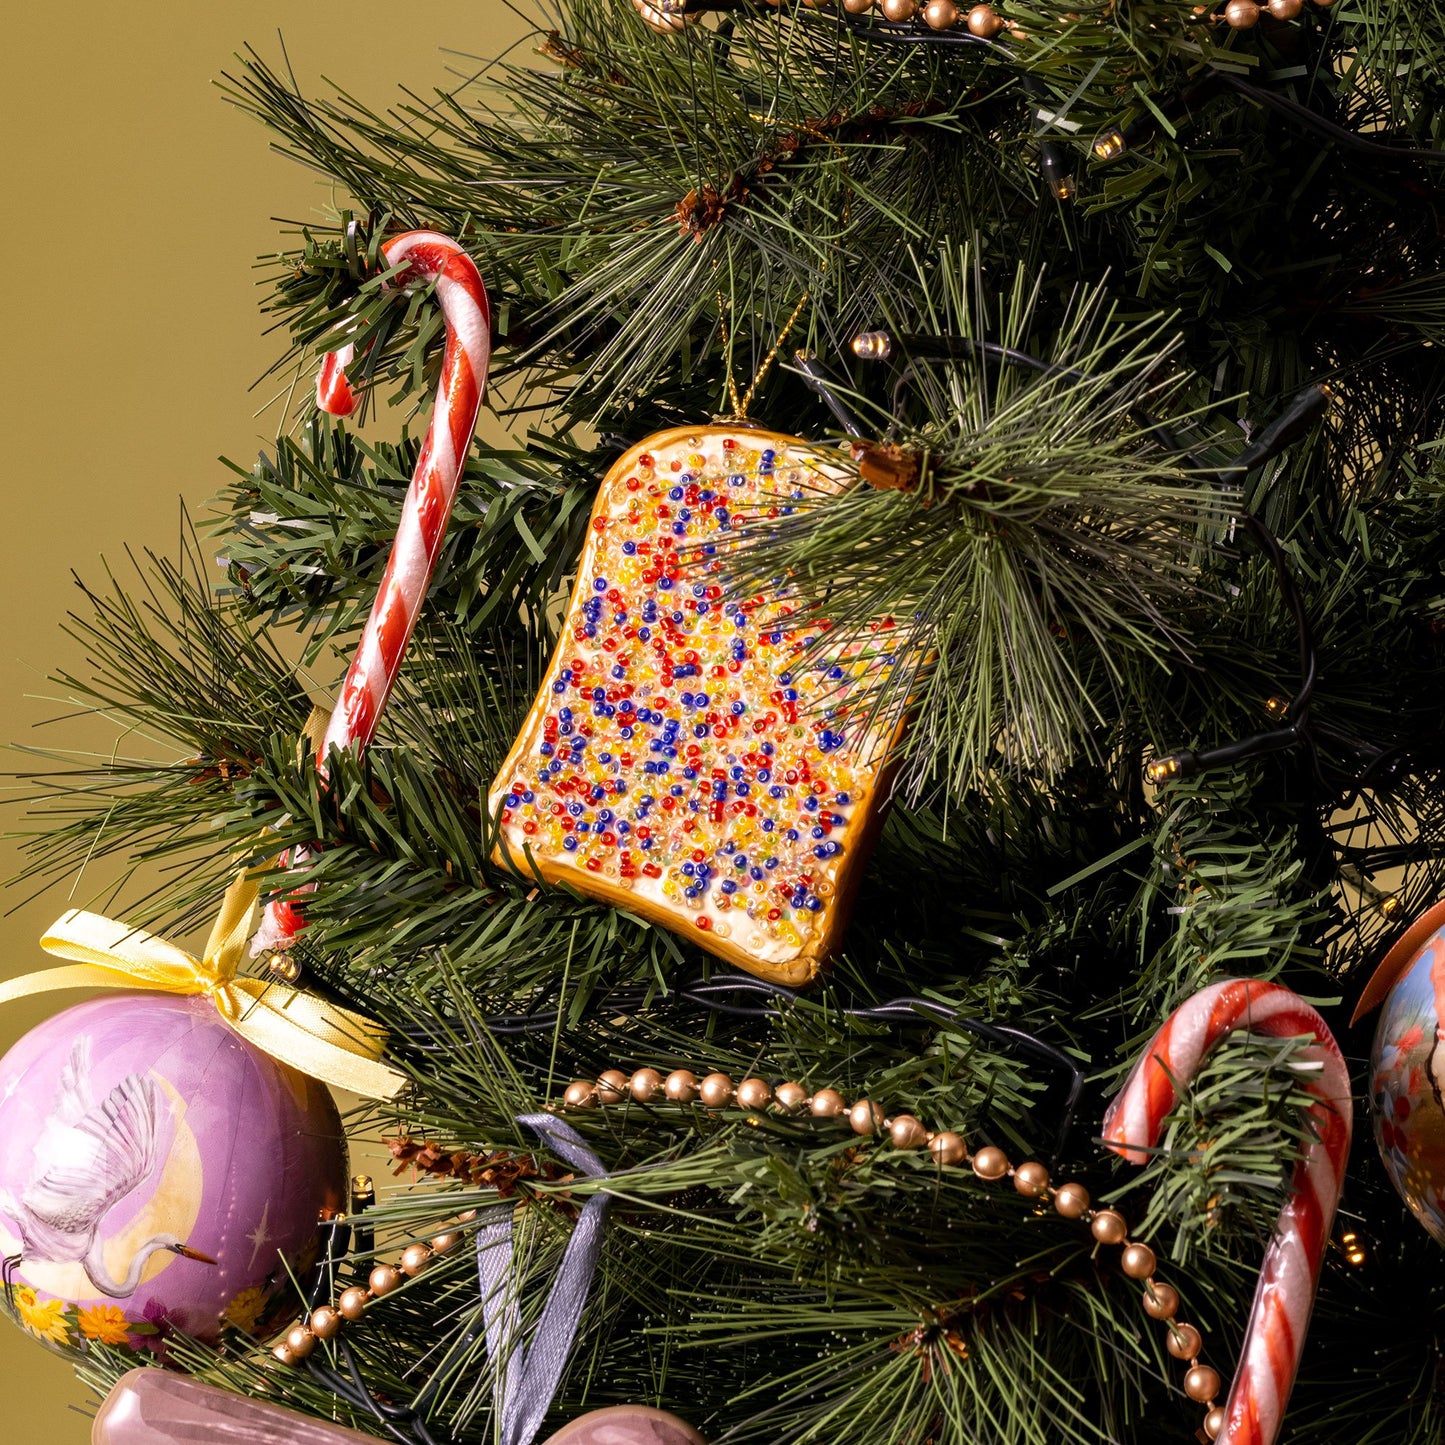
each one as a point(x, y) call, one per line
point(1398, 959)
point(626, 1425)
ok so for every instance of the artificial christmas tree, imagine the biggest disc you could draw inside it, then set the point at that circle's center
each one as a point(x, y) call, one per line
point(1114, 333)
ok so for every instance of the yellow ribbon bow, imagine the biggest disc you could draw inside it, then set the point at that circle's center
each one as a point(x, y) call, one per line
point(319, 1038)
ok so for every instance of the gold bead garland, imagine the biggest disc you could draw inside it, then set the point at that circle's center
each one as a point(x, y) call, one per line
point(949, 1151)
point(982, 21)
point(325, 1321)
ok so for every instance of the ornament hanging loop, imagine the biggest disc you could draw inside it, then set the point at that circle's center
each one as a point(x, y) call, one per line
point(741, 403)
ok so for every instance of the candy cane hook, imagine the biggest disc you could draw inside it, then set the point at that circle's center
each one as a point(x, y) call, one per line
point(424, 257)
point(463, 299)
point(1279, 1316)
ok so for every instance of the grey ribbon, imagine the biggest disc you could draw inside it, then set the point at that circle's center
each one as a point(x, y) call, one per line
point(527, 1377)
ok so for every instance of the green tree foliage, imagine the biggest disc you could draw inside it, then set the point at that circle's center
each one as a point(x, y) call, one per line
point(1081, 584)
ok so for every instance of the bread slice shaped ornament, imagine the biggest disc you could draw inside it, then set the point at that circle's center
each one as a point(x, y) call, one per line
point(686, 758)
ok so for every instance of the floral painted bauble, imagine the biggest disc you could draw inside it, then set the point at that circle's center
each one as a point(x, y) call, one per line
point(157, 1173)
point(1407, 1069)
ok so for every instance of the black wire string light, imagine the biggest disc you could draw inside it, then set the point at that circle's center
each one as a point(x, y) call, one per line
point(1293, 714)
point(906, 22)
point(338, 1260)
point(742, 996)
point(1180, 107)
point(1379, 767)
point(1302, 412)
point(347, 1241)
point(735, 995)
point(944, 22)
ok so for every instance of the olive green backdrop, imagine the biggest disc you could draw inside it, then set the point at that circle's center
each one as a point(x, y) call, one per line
point(136, 201)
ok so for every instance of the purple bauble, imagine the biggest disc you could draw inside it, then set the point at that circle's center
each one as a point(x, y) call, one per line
point(1407, 1070)
point(138, 1126)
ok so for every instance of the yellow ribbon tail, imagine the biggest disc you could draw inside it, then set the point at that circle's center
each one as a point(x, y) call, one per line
point(314, 733)
point(75, 975)
point(320, 1038)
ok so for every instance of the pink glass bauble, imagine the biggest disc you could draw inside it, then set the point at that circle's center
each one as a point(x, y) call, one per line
point(138, 1125)
point(157, 1407)
point(626, 1425)
point(1407, 1070)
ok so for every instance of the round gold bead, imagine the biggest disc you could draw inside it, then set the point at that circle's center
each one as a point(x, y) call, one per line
point(383, 1279)
point(445, 1243)
point(467, 1216)
point(612, 1086)
point(906, 1132)
point(1184, 1342)
point(983, 21)
point(325, 1321)
point(1286, 9)
point(1201, 1383)
point(827, 1104)
point(352, 1304)
point(580, 1094)
point(1324, 4)
point(898, 10)
point(300, 1341)
point(1241, 14)
point(1214, 1422)
point(415, 1258)
point(716, 1091)
point(940, 14)
point(644, 1084)
point(948, 1149)
point(866, 1117)
point(1108, 1227)
point(790, 1096)
point(857, 7)
point(1031, 1178)
point(283, 1353)
point(1161, 1301)
point(754, 1094)
point(1138, 1261)
point(1071, 1200)
point(681, 1086)
point(990, 1163)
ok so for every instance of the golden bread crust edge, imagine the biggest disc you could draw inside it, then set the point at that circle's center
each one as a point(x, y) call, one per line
point(859, 833)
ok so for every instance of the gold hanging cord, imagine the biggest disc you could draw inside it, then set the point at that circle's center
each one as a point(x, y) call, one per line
point(741, 403)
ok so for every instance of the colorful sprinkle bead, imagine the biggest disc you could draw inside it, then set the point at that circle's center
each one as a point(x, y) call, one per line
point(682, 757)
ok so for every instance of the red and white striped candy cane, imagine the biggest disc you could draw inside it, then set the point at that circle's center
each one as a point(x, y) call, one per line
point(334, 395)
point(425, 257)
point(1289, 1275)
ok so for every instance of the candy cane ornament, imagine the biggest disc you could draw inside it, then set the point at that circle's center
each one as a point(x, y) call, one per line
point(334, 395)
point(423, 257)
point(1289, 1276)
